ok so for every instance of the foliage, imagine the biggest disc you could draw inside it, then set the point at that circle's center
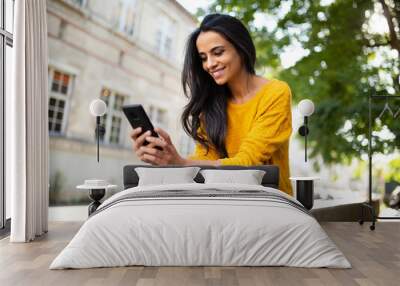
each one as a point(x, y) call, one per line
point(394, 174)
point(345, 61)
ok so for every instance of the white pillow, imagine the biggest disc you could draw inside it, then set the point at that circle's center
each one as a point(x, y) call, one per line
point(162, 176)
point(248, 177)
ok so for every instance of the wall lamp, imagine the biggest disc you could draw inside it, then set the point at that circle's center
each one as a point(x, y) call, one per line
point(306, 108)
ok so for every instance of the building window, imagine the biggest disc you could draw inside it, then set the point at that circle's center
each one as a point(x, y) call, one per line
point(60, 83)
point(124, 17)
point(60, 90)
point(7, 63)
point(165, 36)
point(112, 120)
point(158, 116)
point(79, 3)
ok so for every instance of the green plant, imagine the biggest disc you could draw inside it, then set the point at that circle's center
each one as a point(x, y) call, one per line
point(394, 171)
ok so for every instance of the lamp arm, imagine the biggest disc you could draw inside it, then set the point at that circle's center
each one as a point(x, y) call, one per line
point(305, 137)
point(98, 135)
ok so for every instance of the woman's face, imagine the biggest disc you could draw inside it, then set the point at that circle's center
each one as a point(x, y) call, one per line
point(219, 57)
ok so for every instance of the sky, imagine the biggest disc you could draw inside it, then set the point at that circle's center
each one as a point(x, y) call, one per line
point(192, 5)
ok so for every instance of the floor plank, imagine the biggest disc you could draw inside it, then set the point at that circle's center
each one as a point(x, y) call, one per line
point(374, 255)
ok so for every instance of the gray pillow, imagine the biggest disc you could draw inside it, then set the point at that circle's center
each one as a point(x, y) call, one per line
point(162, 176)
point(248, 177)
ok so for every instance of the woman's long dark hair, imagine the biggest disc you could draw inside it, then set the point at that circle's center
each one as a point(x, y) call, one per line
point(208, 100)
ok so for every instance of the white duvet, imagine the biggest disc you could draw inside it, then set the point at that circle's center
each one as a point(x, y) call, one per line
point(185, 231)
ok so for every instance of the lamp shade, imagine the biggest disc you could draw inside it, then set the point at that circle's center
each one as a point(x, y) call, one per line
point(306, 107)
point(98, 107)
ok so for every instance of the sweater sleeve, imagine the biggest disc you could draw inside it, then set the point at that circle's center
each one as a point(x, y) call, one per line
point(271, 129)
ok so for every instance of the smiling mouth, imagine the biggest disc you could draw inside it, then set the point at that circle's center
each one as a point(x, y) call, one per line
point(218, 73)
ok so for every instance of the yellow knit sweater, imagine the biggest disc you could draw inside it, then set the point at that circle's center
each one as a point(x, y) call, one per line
point(258, 132)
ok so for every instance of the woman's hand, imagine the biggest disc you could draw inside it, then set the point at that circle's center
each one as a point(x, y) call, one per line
point(149, 154)
point(138, 141)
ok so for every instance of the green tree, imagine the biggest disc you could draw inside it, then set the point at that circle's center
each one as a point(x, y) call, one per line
point(345, 61)
point(394, 171)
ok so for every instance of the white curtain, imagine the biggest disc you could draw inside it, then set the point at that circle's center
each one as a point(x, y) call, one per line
point(27, 142)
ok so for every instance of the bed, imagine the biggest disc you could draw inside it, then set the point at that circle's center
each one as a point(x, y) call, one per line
point(201, 224)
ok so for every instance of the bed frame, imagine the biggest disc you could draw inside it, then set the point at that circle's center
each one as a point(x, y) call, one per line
point(270, 179)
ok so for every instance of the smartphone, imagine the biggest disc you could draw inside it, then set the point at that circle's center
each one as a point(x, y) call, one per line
point(137, 117)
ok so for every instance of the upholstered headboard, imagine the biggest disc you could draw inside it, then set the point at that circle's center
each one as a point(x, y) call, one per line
point(270, 179)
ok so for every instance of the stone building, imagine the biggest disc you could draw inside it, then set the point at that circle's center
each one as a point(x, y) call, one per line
point(124, 52)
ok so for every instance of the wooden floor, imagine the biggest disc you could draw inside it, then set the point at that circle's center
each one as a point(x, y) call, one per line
point(374, 255)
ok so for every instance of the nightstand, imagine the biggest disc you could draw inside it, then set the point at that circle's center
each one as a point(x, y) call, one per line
point(305, 190)
point(97, 190)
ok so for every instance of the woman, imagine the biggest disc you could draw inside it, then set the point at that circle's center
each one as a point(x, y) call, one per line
point(235, 116)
